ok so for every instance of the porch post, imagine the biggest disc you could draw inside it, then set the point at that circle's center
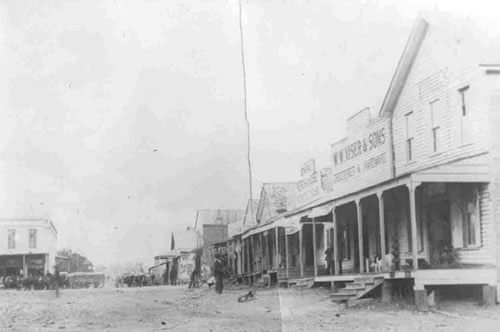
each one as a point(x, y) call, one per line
point(276, 254)
point(381, 217)
point(314, 248)
point(247, 249)
point(286, 254)
point(335, 243)
point(263, 250)
point(301, 260)
point(252, 263)
point(25, 273)
point(412, 186)
point(359, 214)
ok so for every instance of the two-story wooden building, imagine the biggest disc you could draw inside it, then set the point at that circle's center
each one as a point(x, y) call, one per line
point(417, 186)
point(28, 246)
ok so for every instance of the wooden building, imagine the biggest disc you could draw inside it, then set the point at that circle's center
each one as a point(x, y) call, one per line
point(416, 186)
point(28, 247)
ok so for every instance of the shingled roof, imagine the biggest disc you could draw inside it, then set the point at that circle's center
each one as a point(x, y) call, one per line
point(275, 199)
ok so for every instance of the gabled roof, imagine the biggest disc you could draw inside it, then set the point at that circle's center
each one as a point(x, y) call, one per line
point(277, 198)
point(484, 47)
point(404, 66)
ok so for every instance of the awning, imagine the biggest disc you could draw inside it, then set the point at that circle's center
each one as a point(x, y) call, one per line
point(259, 229)
point(292, 223)
point(321, 210)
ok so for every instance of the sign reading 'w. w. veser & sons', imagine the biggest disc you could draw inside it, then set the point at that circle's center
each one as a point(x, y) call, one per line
point(362, 159)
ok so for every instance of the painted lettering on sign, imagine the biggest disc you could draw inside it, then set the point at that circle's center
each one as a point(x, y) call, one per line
point(359, 147)
point(363, 159)
point(308, 189)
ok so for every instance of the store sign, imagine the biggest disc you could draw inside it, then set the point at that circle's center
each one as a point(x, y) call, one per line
point(363, 159)
point(309, 186)
point(326, 179)
point(186, 266)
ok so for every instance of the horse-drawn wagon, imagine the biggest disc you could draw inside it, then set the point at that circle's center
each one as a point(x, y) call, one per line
point(85, 280)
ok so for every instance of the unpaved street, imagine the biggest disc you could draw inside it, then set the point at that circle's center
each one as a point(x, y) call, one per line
point(180, 309)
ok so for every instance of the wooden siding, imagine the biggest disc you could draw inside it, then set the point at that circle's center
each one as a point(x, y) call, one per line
point(484, 254)
point(494, 105)
point(438, 71)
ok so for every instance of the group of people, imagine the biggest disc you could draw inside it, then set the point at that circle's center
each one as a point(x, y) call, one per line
point(35, 281)
point(201, 273)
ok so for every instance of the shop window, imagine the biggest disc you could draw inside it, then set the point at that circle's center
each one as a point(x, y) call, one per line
point(436, 118)
point(410, 136)
point(33, 235)
point(12, 239)
point(465, 120)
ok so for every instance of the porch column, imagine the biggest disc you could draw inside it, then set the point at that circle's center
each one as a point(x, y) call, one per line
point(287, 260)
point(276, 246)
point(314, 248)
point(412, 186)
point(359, 215)
point(25, 270)
point(381, 217)
point(335, 243)
point(247, 250)
point(252, 263)
point(263, 250)
point(301, 260)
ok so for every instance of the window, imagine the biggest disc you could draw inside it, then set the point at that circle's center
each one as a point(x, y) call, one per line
point(436, 114)
point(410, 135)
point(32, 238)
point(12, 239)
point(465, 120)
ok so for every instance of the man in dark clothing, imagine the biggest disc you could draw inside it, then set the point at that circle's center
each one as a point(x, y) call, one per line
point(57, 279)
point(173, 275)
point(195, 275)
point(219, 274)
point(329, 260)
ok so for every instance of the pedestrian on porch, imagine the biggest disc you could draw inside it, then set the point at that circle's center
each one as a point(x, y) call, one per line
point(219, 274)
point(329, 260)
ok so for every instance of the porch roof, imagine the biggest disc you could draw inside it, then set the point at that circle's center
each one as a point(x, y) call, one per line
point(473, 169)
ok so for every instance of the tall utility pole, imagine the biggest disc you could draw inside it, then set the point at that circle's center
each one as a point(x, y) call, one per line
point(242, 48)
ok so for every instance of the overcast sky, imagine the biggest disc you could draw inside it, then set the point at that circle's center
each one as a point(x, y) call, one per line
point(118, 119)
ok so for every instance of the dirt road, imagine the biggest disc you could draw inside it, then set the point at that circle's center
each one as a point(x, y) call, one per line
point(177, 308)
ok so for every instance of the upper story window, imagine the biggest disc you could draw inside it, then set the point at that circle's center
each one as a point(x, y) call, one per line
point(436, 118)
point(410, 136)
point(12, 239)
point(465, 119)
point(33, 238)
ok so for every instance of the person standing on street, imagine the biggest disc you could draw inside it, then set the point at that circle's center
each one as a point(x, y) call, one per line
point(57, 279)
point(219, 274)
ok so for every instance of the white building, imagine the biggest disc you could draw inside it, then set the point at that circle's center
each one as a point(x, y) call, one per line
point(27, 246)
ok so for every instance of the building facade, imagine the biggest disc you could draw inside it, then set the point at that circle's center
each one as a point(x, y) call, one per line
point(419, 182)
point(28, 247)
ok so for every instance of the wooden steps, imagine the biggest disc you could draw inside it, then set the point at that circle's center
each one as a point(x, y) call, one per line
point(355, 290)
